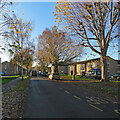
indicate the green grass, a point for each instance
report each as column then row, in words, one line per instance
column 82, row 78
column 64, row 76
column 7, row 79
column 101, row 88
column 22, row 85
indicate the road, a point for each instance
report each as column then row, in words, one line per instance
column 52, row 99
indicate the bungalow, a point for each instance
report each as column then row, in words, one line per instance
column 80, row 68
column 62, row 68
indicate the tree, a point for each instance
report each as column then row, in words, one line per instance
column 18, row 32
column 28, row 57
column 41, row 58
column 56, row 46
column 4, row 5
column 94, row 22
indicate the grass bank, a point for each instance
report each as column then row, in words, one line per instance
column 7, row 79
column 110, row 87
column 22, row 84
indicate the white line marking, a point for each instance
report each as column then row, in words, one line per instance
column 67, row 92
column 96, row 107
column 77, row 97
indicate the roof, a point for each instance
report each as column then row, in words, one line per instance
column 85, row 61
column 94, row 70
column 118, row 61
column 5, row 62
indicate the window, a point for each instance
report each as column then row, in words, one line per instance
column 5, row 67
column 93, row 65
column 108, row 73
column 83, row 67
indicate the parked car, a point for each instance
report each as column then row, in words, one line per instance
column 116, row 76
column 94, row 73
column 54, row 76
column 34, row 73
column 44, row 74
column 2, row 73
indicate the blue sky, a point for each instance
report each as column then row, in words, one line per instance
column 41, row 16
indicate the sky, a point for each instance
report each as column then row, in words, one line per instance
column 40, row 15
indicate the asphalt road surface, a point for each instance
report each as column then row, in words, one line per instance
column 53, row 99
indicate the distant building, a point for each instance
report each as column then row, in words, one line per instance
column 62, row 68
column 8, row 68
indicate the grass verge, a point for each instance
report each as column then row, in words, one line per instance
column 7, row 79
column 22, row 84
column 103, row 87
column 77, row 77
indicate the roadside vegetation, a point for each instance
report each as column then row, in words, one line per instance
column 22, row 84
column 110, row 87
column 7, row 79
column 77, row 77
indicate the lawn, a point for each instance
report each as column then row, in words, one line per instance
column 7, row 79
column 64, row 76
column 110, row 87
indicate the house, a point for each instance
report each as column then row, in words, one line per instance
column 80, row 68
column 10, row 69
column 118, row 66
column 62, row 68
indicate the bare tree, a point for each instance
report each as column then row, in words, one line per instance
column 57, row 46
column 94, row 22
column 18, row 32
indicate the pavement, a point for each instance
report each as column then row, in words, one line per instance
column 54, row 99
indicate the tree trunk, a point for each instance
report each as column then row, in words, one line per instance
column 56, row 67
column 22, row 66
column 103, row 68
column 74, row 72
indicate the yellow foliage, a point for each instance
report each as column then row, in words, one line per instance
column 27, row 34
column 21, row 32
column 28, row 22
column 20, row 19
column 15, row 25
column 11, row 27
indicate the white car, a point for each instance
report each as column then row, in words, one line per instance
column 54, row 76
